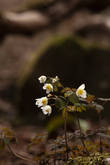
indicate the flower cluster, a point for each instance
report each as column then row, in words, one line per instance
column 51, row 85
column 42, row 102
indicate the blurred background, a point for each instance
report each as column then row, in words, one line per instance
column 67, row 38
column 70, row 39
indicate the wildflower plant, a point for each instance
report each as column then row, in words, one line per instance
column 67, row 100
column 71, row 99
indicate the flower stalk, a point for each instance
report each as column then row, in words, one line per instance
column 65, row 131
column 100, row 139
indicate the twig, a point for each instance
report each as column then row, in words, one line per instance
column 65, row 130
column 55, row 155
column 19, row 155
column 100, row 143
column 104, row 99
column 87, row 152
column 100, row 139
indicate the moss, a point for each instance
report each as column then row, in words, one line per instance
column 71, row 58
column 38, row 4
column 93, row 159
column 57, row 44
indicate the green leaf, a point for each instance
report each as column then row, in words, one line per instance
column 68, row 93
column 73, row 98
column 60, row 103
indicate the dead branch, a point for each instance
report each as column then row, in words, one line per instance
column 19, row 155
column 104, row 99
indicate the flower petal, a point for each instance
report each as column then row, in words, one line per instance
column 43, row 101
column 82, row 86
column 84, row 95
column 42, row 79
column 48, row 87
column 46, row 110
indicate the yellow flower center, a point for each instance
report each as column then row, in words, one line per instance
column 47, row 110
column 48, row 87
column 44, row 101
column 80, row 92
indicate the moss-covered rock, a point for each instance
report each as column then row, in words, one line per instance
column 39, row 4
column 73, row 60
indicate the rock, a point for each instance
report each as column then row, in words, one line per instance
column 29, row 19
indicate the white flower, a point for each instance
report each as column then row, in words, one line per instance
column 43, row 101
column 48, row 88
column 42, row 79
column 80, row 92
column 54, row 80
column 107, row 160
column 47, row 110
